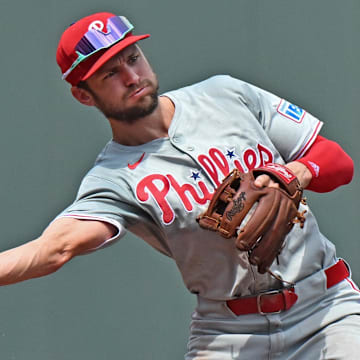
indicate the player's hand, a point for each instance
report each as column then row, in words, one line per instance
column 300, row 170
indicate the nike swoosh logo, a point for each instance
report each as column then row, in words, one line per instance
column 135, row 164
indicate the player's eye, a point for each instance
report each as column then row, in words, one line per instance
column 109, row 74
column 133, row 58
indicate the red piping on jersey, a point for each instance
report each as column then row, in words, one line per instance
column 353, row 285
column 309, row 142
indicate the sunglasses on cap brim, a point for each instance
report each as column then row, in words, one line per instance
column 95, row 40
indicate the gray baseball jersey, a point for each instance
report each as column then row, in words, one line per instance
column 157, row 189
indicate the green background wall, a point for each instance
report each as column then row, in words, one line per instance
column 128, row 302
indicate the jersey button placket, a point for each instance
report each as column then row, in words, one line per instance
column 177, row 142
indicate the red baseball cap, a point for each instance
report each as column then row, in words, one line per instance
column 90, row 42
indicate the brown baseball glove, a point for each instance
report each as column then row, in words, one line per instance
column 270, row 212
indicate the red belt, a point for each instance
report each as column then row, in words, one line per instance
column 275, row 301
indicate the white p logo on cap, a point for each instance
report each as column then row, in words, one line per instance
column 96, row 25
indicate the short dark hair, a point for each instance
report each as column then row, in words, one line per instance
column 83, row 85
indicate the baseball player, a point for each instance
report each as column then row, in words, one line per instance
column 168, row 157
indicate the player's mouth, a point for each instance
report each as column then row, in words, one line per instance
column 141, row 91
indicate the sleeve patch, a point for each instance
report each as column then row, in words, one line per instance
column 291, row 111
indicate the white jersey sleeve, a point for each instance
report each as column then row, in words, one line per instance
column 104, row 196
column 291, row 129
column 98, row 201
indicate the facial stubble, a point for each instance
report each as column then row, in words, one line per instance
column 134, row 113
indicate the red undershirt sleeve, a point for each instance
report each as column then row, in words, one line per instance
column 329, row 165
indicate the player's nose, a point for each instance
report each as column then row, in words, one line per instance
column 130, row 76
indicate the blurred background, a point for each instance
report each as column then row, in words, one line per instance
column 127, row 301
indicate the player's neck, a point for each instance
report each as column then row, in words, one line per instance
column 151, row 127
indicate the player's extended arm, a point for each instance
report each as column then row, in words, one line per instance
column 60, row 242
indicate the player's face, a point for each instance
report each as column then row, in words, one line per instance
column 125, row 88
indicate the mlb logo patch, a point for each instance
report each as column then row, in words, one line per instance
column 291, row 111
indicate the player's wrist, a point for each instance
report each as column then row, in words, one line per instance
column 302, row 172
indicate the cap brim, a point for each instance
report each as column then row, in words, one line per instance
column 108, row 54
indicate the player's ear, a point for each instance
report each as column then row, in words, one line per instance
column 82, row 95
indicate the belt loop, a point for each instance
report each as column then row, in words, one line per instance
column 290, row 298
